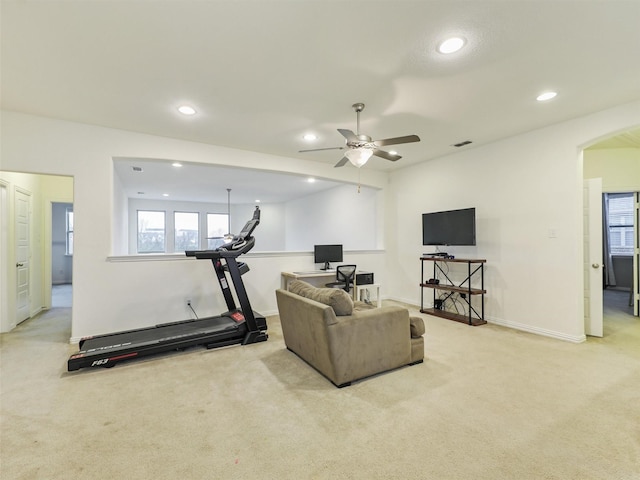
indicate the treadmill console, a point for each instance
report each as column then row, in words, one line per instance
column 239, row 244
column 240, row 241
column 251, row 225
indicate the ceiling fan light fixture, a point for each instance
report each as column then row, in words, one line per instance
column 359, row 156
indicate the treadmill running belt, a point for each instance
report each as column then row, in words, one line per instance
column 160, row 334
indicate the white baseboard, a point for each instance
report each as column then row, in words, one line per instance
column 537, row 330
column 517, row 326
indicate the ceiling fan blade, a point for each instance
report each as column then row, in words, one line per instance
column 348, row 134
column 386, row 155
column 341, row 163
column 320, row 149
column 397, row 140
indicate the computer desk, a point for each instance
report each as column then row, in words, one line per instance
column 319, row 278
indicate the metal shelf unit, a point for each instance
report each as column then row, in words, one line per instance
column 454, row 290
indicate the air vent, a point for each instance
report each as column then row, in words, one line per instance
column 136, row 169
column 461, row 144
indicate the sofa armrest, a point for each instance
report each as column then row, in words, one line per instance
column 417, row 326
column 304, row 328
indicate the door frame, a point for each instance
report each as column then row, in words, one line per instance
column 6, row 322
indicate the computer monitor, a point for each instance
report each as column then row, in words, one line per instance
column 327, row 253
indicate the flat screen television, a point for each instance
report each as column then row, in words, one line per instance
column 451, row 227
column 327, row 253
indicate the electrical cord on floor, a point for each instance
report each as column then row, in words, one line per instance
column 194, row 312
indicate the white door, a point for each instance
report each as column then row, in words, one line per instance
column 593, row 257
column 22, row 201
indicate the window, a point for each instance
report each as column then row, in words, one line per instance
column 620, row 223
column 69, row 215
column 151, row 231
column 186, row 231
column 217, row 227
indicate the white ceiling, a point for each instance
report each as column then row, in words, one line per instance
column 204, row 183
column 263, row 73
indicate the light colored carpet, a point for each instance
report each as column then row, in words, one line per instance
column 487, row 403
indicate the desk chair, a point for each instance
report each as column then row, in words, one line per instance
column 345, row 276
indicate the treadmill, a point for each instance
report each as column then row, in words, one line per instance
column 236, row 326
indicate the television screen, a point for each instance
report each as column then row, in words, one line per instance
column 327, row 253
column 452, row 227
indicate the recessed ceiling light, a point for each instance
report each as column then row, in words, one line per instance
column 176, row 164
column 187, row 110
column 309, row 137
column 451, row 45
column 257, row 201
column 393, row 152
column 311, row 179
column 165, row 194
column 546, row 96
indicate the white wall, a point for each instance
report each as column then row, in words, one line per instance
column 119, row 219
column 527, row 193
column 112, row 295
column 338, row 215
column 523, row 187
column 619, row 168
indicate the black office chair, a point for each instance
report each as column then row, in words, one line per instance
column 345, row 276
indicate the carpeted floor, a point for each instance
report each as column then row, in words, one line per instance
column 488, row 403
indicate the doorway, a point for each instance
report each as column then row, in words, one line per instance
column 615, row 161
column 27, row 238
column 61, row 254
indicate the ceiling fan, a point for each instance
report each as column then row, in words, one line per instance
column 359, row 148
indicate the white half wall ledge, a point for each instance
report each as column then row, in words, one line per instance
column 164, row 257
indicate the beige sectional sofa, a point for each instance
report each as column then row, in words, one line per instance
column 347, row 341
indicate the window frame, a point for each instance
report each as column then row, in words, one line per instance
column 621, row 248
column 175, row 231
column 212, row 243
column 69, row 231
column 164, row 231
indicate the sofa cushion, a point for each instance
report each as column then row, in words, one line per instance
column 338, row 299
